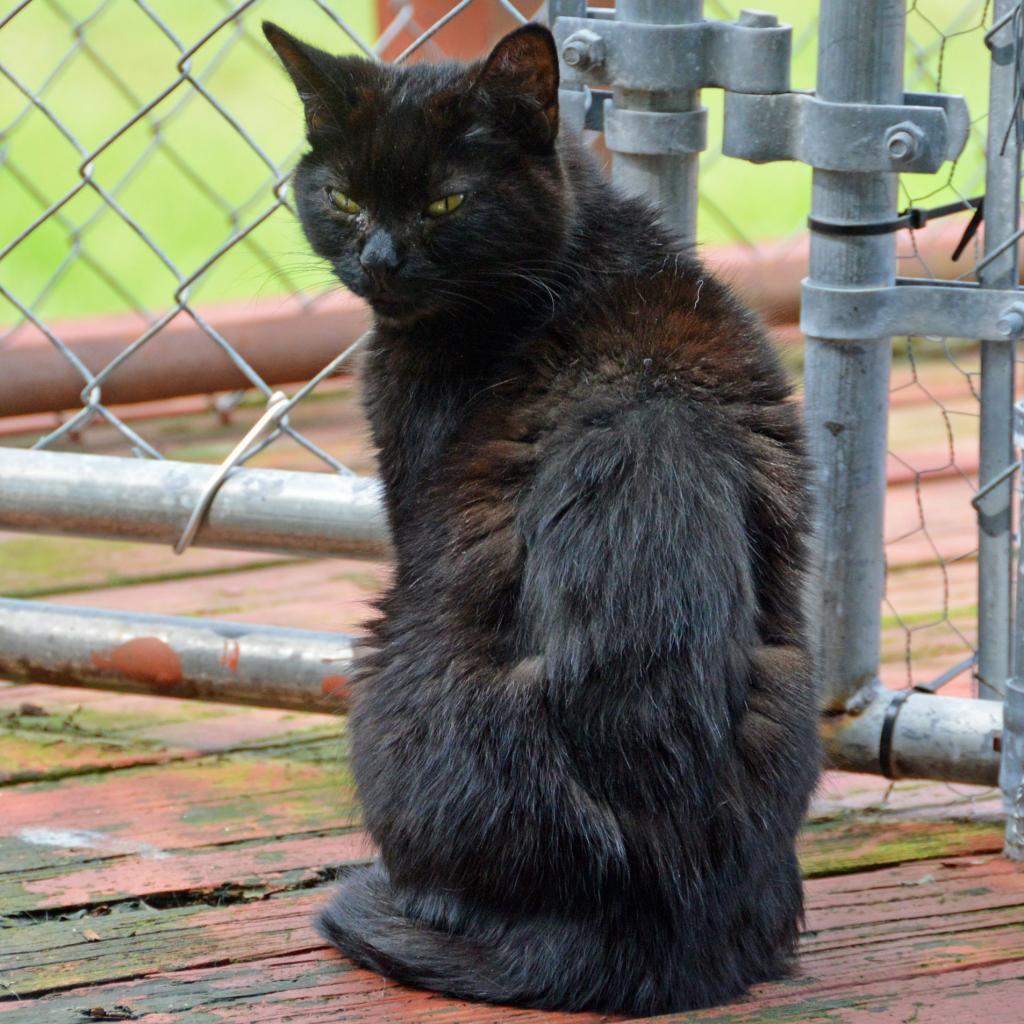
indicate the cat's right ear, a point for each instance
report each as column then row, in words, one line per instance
column 308, row 68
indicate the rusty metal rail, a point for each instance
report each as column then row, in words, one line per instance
column 166, row 656
column 280, row 342
column 948, row 738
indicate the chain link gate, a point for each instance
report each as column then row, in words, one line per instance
column 637, row 73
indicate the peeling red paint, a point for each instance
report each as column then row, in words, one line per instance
column 335, row 686
column 232, row 652
column 147, row 659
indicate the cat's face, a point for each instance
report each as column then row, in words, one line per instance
column 434, row 188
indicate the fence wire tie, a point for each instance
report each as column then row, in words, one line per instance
column 1000, row 478
column 270, row 423
column 913, row 218
column 266, row 425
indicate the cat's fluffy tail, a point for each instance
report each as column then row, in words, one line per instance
column 364, row 921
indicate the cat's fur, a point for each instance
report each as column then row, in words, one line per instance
column 586, row 734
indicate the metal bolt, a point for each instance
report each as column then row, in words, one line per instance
column 1011, row 322
column 903, row 142
column 757, row 19
column 583, row 50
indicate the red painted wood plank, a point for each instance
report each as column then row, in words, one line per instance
column 210, row 874
column 992, row 994
column 59, row 728
column 261, row 867
column 155, row 812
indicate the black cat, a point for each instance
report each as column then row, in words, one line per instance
column 586, row 734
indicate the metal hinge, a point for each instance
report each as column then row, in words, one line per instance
column 918, row 136
column 749, row 55
column 764, row 121
column 911, row 307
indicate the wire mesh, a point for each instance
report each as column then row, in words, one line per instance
column 930, row 613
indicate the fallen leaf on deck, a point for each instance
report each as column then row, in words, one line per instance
column 90, row 935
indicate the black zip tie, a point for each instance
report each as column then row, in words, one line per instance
column 888, row 728
column 899, row 698
column 972, row 228
column 913, row 217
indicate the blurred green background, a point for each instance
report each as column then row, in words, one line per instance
column 184, row 175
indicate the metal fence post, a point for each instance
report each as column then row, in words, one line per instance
column 1011, row 766
column 999, row 269
column 670, row 180
column 860, row 60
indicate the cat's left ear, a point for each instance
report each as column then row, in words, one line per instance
column 523, row 67
column 310, row 70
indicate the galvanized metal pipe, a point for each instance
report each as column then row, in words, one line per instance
column 1011, row 769
column 151, row 500
column 860, row 60
column 950, row 739
column 166, row 656
column 1002, row 217
column 670, row 180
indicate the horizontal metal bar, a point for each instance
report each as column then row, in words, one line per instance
column 181, row 359
column 945, row 738
column 166, row 656
column 910, row 308
column 150, row 500
column 950, row 739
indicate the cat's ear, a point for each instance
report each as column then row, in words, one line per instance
column 309, row 69
column 523, row 66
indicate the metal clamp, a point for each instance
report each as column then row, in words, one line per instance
column 911, row 307
column 651, row 132
column 919, row 135
column 888, row 731
column 750, row 55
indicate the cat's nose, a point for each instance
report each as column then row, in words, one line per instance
column 381, row 256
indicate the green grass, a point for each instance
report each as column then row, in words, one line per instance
column 199, row 171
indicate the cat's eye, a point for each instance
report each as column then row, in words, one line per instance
column 446, row 204
column 342, row 202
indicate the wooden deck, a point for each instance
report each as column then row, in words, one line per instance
column 160, row 859
column 159, row 862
